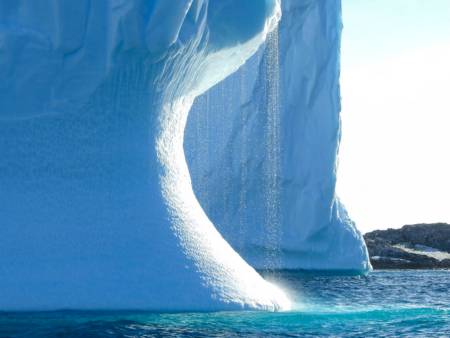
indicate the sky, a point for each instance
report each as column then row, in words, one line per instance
column 394, row 161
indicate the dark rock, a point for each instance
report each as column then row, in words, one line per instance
column 384, row 255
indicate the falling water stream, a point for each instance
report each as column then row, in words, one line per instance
column 243, row 161
column 272, row 224
column 225, row 144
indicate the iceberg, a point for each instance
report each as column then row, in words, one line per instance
column 97, row 209
column 262, row 149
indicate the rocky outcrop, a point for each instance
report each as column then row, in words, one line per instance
column 418, row 246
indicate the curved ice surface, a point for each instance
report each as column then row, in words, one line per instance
column 97, row 208
column 263, row 155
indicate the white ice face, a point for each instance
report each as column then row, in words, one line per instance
column 231, row 41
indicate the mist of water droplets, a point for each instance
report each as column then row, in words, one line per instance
column 272, row 224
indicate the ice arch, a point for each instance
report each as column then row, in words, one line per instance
column 97, row 208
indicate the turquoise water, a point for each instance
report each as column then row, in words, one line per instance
column 383, row 304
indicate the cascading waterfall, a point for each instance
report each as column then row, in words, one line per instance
column 213, row 126
column 243, row 167
column 298, row 214
column 272, row 224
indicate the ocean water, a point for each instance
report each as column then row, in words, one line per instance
column 382, row 304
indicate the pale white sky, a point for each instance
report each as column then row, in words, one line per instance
column 394, row 166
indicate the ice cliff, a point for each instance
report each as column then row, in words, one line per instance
column 262, row 149
column 97, row 209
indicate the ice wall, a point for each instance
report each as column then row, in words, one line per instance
column 262, row 149
column 96, row 204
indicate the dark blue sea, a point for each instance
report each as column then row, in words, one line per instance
column 382, row 304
